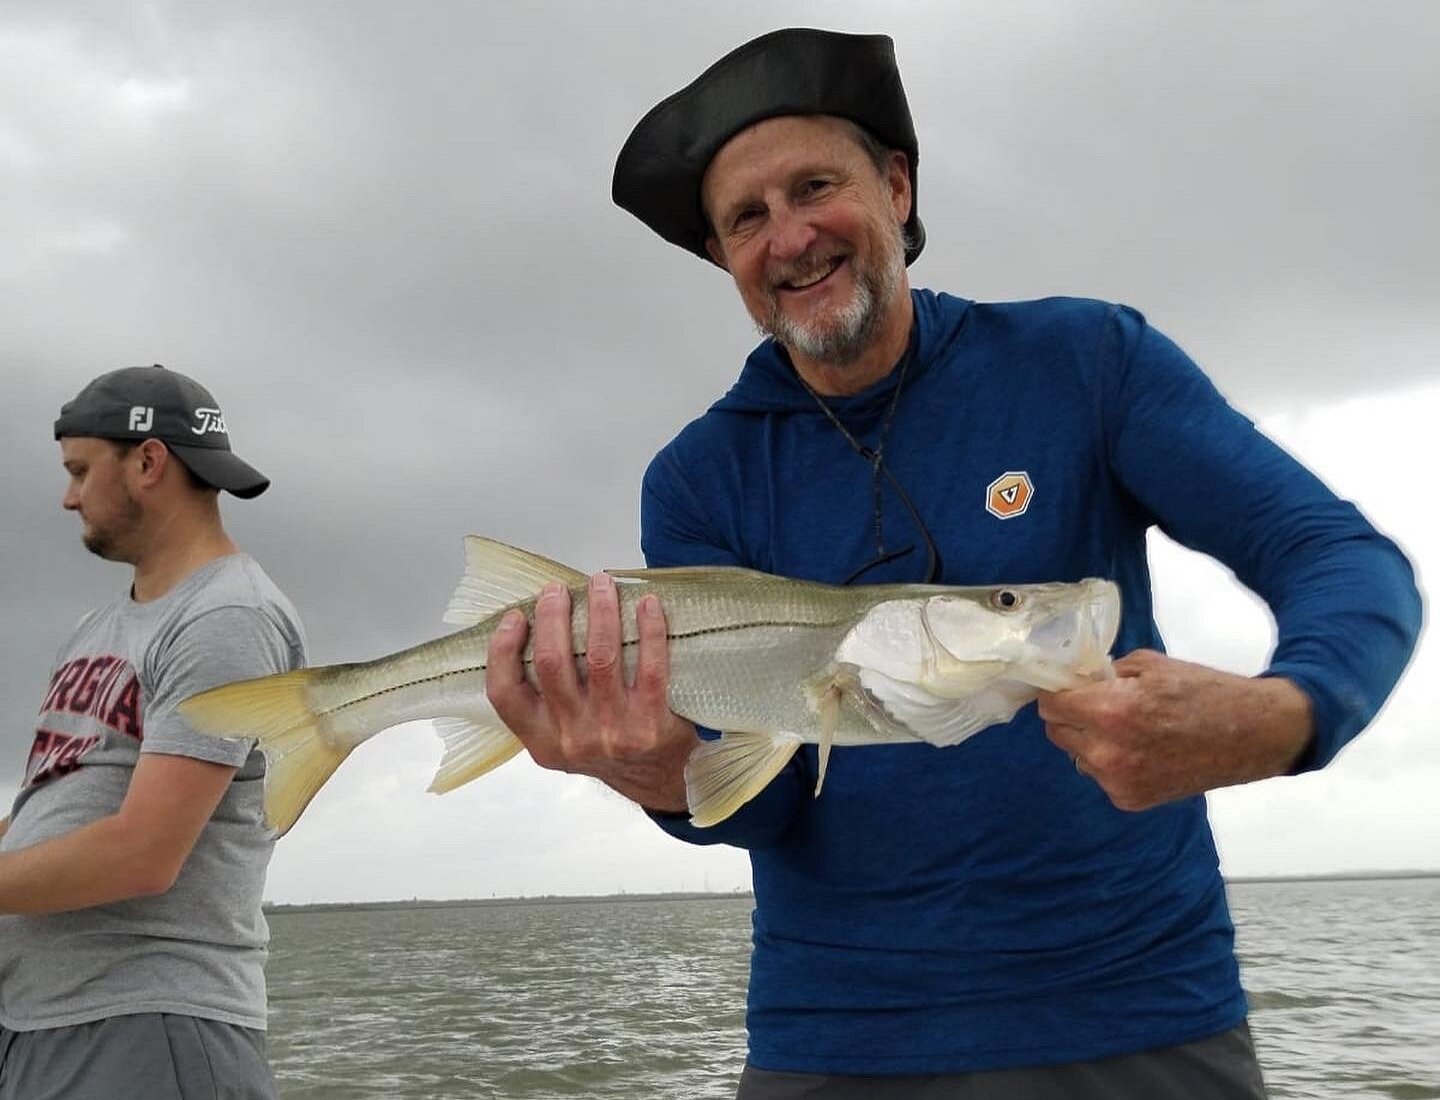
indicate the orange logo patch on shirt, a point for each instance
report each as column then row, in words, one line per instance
column 1009, row 494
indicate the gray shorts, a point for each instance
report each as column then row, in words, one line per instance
column 151, row 1055
column 1222, row 1067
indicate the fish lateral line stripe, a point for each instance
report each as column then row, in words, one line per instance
column 700, row 632
column 484, row 667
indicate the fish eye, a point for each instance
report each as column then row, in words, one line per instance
column 1005, row 599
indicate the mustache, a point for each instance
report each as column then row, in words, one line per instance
column 805, row 268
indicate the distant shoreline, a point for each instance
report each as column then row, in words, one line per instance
column 273, row 908
column 1331, row 876
column 472, row 903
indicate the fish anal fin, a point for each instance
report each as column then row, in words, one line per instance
column 474, row 745
column 498, row 575
column 723, row 775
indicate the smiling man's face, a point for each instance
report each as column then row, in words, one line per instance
column 810, row 228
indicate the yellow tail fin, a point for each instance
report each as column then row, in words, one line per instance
column 299, row 757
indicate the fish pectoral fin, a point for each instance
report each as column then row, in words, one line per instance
column 932, row 718
column 829, row 719
column 497, row 575
column 275, row 710
column 723, row 775
column 473, row 746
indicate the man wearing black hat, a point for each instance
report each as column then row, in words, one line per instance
column 998, row 919
column 132, row 944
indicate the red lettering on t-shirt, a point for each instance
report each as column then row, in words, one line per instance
column 55, row 754
column 84, row 694
column 106, row 687
column 68, row 758
column 73, row 672
column 55, row 678
column 124, row 716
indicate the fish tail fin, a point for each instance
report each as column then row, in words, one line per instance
column 274, row 710
column 723, row 775
column 474, row 745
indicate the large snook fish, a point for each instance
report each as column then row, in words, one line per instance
column 772, row 662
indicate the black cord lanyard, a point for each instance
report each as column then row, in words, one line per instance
column 876, row 459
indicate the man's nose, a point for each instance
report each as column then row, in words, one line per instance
column 71, row 500
column 791, row 234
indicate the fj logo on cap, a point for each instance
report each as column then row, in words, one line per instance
column 142, row 418
column 1009, row 494
column 211, row 420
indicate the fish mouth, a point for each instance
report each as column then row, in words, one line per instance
column 1101, row 615
column 1073, row 645
column 1094, row 625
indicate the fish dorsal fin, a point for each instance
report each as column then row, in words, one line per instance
column 497, row 575
column 694, row 573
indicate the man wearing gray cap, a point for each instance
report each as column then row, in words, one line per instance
column 132, row 944
column 1036, row 914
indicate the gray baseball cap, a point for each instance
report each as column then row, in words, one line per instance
column 155, row 403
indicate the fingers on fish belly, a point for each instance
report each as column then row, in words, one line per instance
column 723, row 775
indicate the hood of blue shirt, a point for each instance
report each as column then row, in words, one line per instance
column 768, row 383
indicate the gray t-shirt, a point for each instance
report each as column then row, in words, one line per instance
column 198, row 949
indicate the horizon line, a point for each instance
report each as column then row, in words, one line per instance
column 738, row 892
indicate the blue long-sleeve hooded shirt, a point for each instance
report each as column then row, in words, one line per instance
column 985, row 906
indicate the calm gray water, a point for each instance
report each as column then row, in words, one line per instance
column 642, row 1000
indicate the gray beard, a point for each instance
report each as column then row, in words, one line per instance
column 843, row 338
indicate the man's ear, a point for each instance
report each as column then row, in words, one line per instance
column 151, row 459
column 717, row 254
column 897, row 176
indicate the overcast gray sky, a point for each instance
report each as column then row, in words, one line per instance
column 381, row 233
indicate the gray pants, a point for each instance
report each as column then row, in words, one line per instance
column 148, row 1056
column 1222, row 1067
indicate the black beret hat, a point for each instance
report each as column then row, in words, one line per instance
column 797, row 71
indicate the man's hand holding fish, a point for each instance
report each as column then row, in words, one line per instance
column 1165, row 729
column 622, row 733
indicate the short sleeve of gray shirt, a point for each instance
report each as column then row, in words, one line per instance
column 218, row 647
